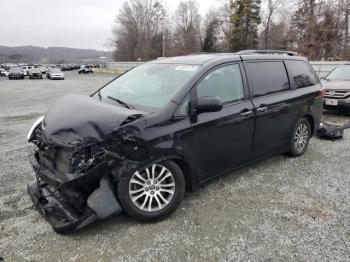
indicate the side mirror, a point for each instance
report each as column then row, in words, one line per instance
column 208, row 104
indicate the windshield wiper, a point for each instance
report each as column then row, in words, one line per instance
column 121, row 102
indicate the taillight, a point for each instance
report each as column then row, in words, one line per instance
column 322, row 92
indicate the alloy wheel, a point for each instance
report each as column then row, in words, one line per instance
column 152, row 189
column 301, row 137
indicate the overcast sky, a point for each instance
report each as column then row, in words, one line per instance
column 71, row 23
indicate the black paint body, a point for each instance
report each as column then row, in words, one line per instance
column 120, row 141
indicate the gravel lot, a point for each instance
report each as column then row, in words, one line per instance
column 277, row 210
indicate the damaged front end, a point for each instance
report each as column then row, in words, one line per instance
column 76, row 176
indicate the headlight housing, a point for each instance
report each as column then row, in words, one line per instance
column 35, row 125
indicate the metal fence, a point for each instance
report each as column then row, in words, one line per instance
column 321, row 67
column 123, row 66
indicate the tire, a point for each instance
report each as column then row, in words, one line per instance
column 300, row 138
column 161, row 206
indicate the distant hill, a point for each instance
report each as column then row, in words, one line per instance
column 54, row 55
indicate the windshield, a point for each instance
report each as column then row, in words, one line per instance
column 340, row 73
column 149, row 85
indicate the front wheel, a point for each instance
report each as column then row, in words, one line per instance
column 300, row 138
column 153, row 193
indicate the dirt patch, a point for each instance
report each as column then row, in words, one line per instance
column 17, row 118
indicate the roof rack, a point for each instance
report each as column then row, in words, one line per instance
column 210, row 53
column 267, row 52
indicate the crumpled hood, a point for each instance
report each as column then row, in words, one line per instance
column 336, row 85
column 77, row 120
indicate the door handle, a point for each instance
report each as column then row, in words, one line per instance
column 262, row 109
column 246, row 113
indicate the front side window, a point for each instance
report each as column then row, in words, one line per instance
column 183, row 108
column 224, row 82
column 267, row 77
column 339, row 74
column 150, row 85
column 301, row 73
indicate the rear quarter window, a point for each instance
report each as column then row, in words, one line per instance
column 267, row 77
column 301, row 73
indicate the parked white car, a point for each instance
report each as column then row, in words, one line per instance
column 25, row 69
column 54, row 73
column 3, row 72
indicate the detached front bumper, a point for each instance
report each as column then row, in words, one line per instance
column 54, row 209
column 63, row 214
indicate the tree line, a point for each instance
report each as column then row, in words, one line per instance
column 318, row 29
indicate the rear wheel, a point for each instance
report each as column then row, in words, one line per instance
column 300, row 137
column 152, row 193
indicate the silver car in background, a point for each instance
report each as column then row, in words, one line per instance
column 55, row 74
column 337, row 89
column 35, row 73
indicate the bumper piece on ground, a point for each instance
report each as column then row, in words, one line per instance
column 61, row 216
column 328, row 131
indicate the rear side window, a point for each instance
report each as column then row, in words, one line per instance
column 301, row 73
column 267, row 77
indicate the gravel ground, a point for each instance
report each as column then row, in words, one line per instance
column 282, row 209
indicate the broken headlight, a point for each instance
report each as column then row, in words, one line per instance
column 35, row 125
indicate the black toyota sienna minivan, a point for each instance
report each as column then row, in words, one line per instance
column 140, row 141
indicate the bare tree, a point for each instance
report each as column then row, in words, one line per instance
column 305, row 27
column 137, row 33
column 272, row 6
column 226, row 26
column 346, row 37
column 315, row 28
column 187, row 35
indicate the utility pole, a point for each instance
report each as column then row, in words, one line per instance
column 346, row 34
column 164, row 34
column 163, row 42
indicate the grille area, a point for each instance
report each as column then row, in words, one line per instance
column 54, row 159
column 337, row 94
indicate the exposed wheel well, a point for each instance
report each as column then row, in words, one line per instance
column 312, row 123
column 186, row 169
